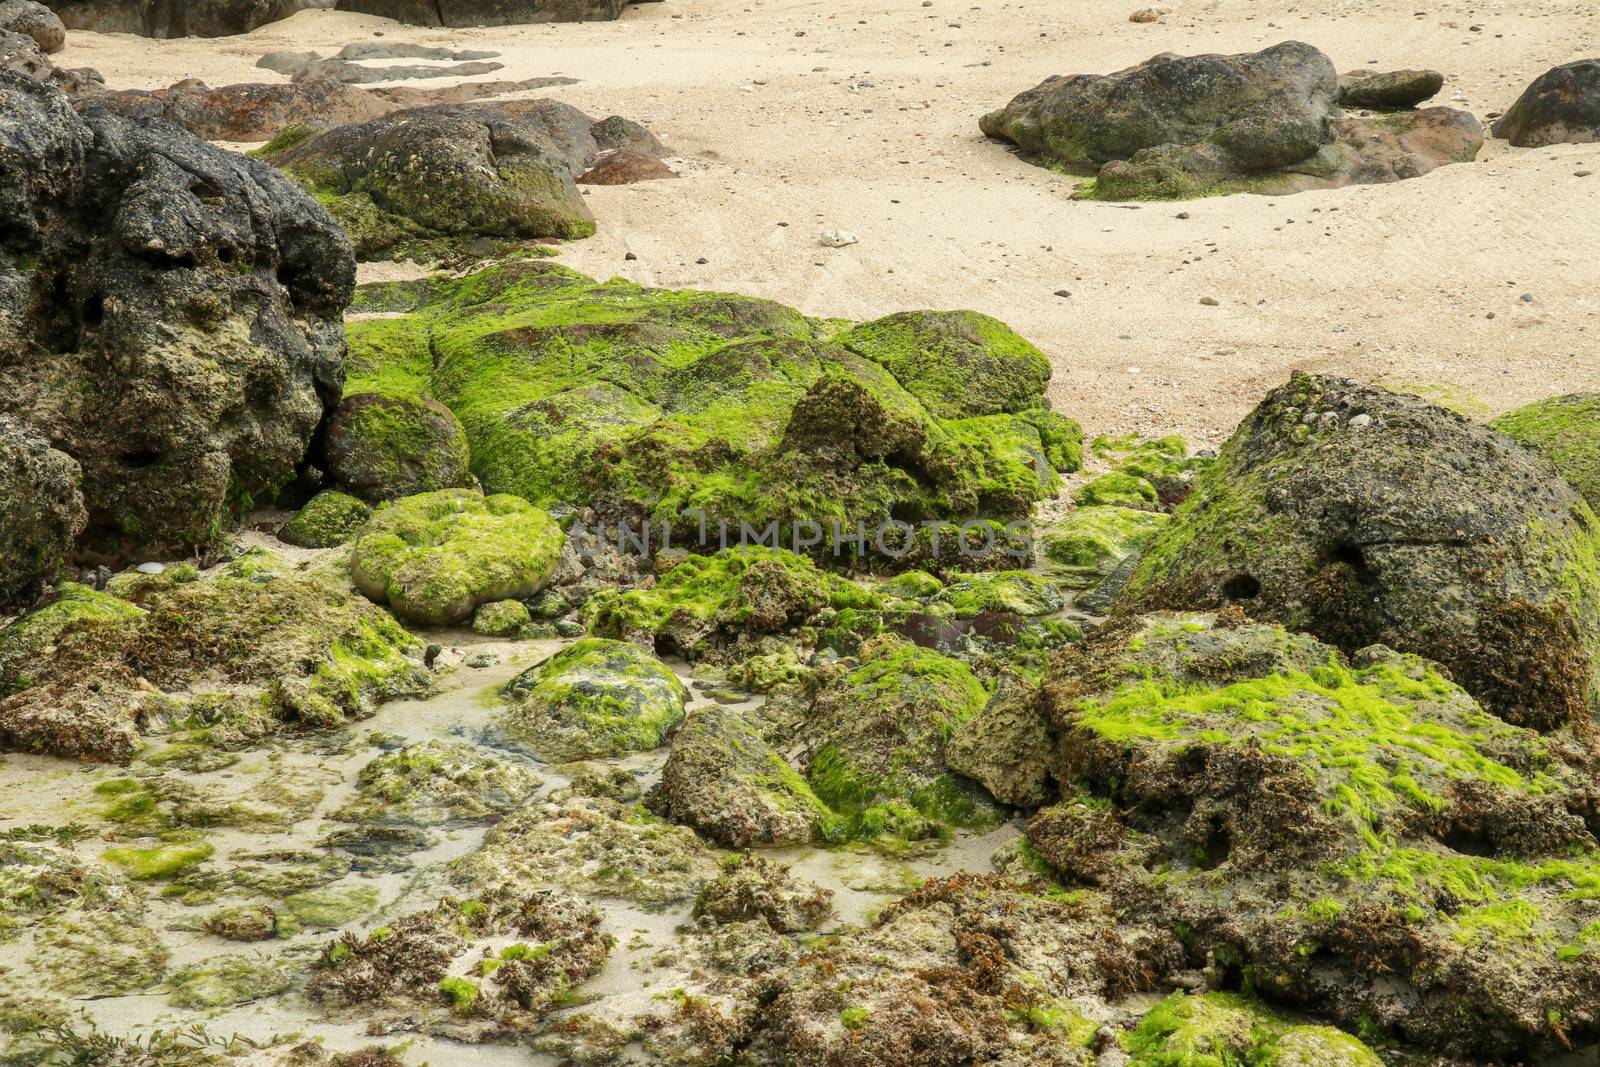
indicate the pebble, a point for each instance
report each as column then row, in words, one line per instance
column 1527, row 298
column 1361, row 421
column 1063, row 292
column 1210, row 301
column 630, row 257
column 837, row 238
column 151, row 568
column 702, row 261
column 1582, row 173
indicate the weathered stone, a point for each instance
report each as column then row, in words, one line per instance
column 1566, row 431
column 381, row 447
column 595, row 698
column 487, row 12
column 36, row 21
column 1562, row 106
column 41, row 510
column 1388, row 90
column 173, row 18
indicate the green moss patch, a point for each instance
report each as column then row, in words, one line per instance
column 1566, row 431
column 330, row 518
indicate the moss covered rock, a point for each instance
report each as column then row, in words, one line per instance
column 595, row 698
column 724, row 779
column 1224, row 1028
column 1007, row 748
column 698, row 407
column 435, row 557
column 503, row 618
column 225, row 981
column 383, row 447
column 1088, row 544
column 41, row 510
column 253, row 645
column 751, row 888
column 707, row 601
column 873, row 740
column 329, row 519
column 1566, row 431
column 437, row 783
column 958, row 363
column 27, row 643
column 1358, row 834
column 1117, row 489
column 1014, row 592
column 1365, row 516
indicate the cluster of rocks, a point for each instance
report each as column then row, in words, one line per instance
column 224, row 18
column 1277, row 121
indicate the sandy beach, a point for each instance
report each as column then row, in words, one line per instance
column 1476, row 284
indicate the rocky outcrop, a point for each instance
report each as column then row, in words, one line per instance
column 659, row 403
column 173, row 18
column 1390, row 90
column 454, row 173
column 1364, row 516
column 172, row 316
column 1355, row 833
column 1178, row 126
column 41, row 510
column 1562, row 106
column 487, row 12
column 35, row 21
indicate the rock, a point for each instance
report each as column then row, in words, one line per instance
column 1118, row 489
column 451, row 171
column 754, row 889
column 624, row 167
column 1566, row 431
column 23, row 643
column 36, row 21
column 487, row 12
column 958, row 363
column 1562, row 106
column 1269, row 123
column 1421, row 530
column 1388, row 90
column 872, row 743
column 831, row 238
column 437, row 783
column 382, row 447
column 503, row 618
column 1088, row 544
column 41, row 510
column 754, row 419
column 246, row 112
column 592, row 700
column 1007, row 748
column 725, row 781
column 173, row 18
column 204, row 286
column 708, row 601
column 257, row 643
column 435, row 557
column 1233, row 1027
column 1146, row 15
column 250, row 922
column 1355, row 831
column 330, row 518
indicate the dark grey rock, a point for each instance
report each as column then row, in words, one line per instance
column 1562, row 106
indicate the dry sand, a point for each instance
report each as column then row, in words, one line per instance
column 862, row 115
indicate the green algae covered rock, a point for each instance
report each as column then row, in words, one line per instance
column 1566, row 431
column 383, row 447
column 24, row 642
column 703, row 407
column 707, row 600
column 437, row 783
column 503, row 618
column 873, row 740
column 259, row 642
column 726, row 781
column 329, row 519
column 435, row 557
column 1118, row 489
column 595, row 698
column 1016, row 592
column 958, row 363
column 1365, row 516
column 1088, row 544
column 229, row 980
column 1216, row 1029
column 1358, row 833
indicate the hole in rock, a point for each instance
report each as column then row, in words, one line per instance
column 1241, row 587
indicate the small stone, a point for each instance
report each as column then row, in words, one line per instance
column 1582, row 173
column 1527, row 298
column 1361, row 421
column 151, row 568
column 1210, row 301
column 630, row 257
column 1183, row 215
column 837, row 238
column 1063, row 292
column 702, row 261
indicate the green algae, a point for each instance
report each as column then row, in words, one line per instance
column 329, row 519
column 502, row 618
column 434, row 557
column 595, row 698
column 1086, row 545
column 331, row 907
column 1566, row 431
column 1017, row 592
column 1118, row 489
column 1230, row 1030
column 160, row 862
column 226, row 981
column 24, row 641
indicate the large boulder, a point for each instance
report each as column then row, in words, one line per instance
column 1178, row 126
column 41, row 510
column 1355, row 834
column 434, row 557
column 695, row 407
column 35, row 21
column 170, row 316
column 1562, row 106
column 451, row 171
column 173, row 18
column 381, row 447
column 1365, row 516
column 487, row 12
column 1566, row 431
